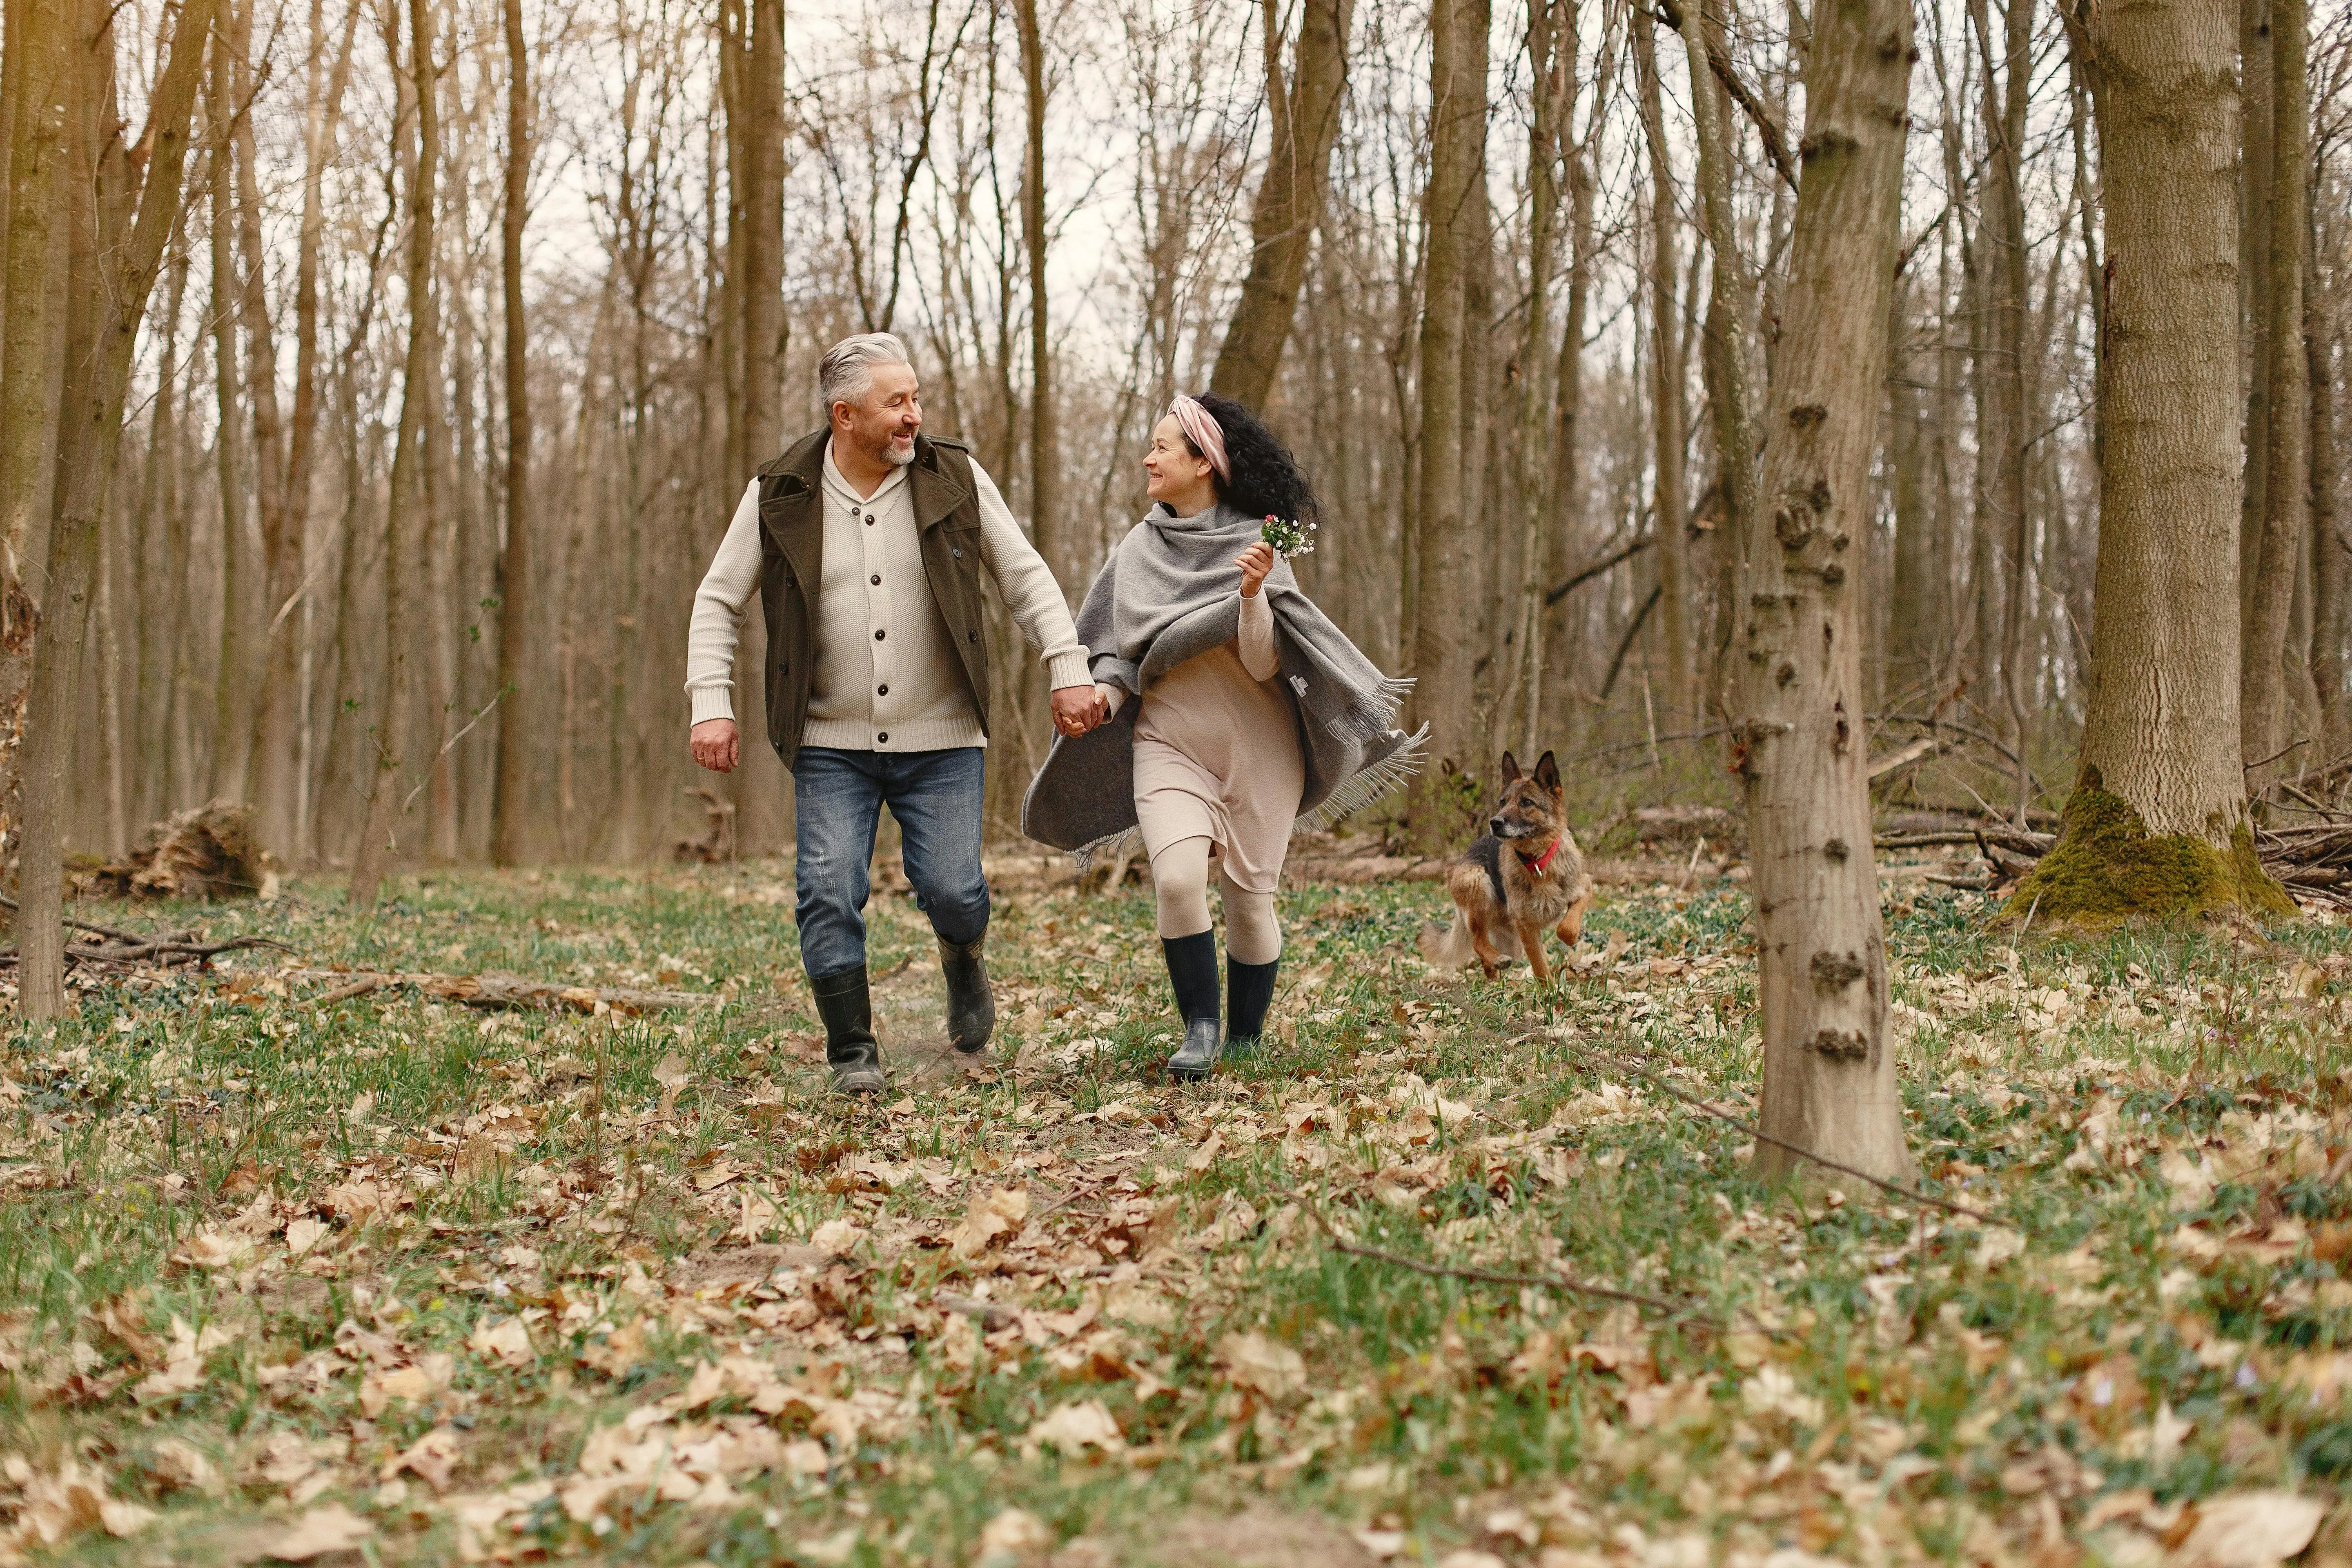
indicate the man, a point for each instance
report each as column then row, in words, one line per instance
column 865, row 542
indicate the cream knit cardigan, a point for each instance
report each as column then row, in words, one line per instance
column 887, row 678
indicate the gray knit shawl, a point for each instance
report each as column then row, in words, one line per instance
column 1170, row 592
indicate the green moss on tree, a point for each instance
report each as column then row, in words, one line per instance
column 2106, row 867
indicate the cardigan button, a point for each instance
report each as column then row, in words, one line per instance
column 959, row 552
column 883, row 689
column 884, row 737
column 971, row 637
column 879, row 635
column 875, row 579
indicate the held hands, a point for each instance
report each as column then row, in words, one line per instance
column 1078, row 709
column 717, row 744
column 1255, row 562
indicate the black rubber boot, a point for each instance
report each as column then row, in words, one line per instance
column 971, row 1006
column 1249, row 991
column 1192, row 973
column 850, row 1049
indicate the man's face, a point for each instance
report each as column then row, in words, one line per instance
column 882, row 423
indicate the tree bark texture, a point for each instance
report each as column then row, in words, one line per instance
column 1551, row 57
column 2255, row 171
column 1455, row 222
column 1668, row 506
column 395, row 708
column 112, row 271
column 1045, row 526
column 2286, row 431
column 510, row 809
column 1290, row 204
column 2156, row 821
column 1802, row 748
column 231, row 729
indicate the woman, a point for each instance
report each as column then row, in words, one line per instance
column 1248, row 713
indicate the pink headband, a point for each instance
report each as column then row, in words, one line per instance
column 1201, row 428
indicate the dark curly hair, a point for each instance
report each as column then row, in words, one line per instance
column 1266, row 479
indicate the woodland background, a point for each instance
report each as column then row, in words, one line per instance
column 594, row 276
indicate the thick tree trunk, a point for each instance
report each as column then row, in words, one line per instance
column 510, row 810
column 396, row 706
column 2156, row 822
column 763, row 819
column 111, row 275
column 1801, row 748
column 1289, row 199
column 2285, row 430
column 1668, row 506
column 1454, row 217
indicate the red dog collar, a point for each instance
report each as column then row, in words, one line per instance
column 1538, row 865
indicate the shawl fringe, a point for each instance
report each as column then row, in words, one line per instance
column 1368, row 786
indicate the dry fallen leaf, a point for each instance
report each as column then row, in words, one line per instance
column 305, row 1233
column 837, row 1237
column 999, row 1213
column 2249, row 1529
column 334, row 1528
column 507, row 1340
column 1253, row 1360
column 1086, row 1424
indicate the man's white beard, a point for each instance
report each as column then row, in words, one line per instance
column 897, row 458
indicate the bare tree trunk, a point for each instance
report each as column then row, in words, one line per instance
column 2285, row 430
column 39, row 63
column 110, row 274
column 1551, row 58
column 398, row 701
column 1045, row 526
column 1454, row 218
column 1801, row 748
column 1289, row 199
column 1912, row 609
column 1669, row 507
column 232, row 723
column 514, row 586
column 2330, row 581
column 764, row 788
column 2156, row 822
column 1723, row 353
column 2255, row 167
column 158, row 555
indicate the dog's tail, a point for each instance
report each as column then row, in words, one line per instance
column 1449, row 947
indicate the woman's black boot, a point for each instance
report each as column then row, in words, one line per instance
column 972, row 1007
column 850, row 1049
column 1249, row 992
column 1192, row 973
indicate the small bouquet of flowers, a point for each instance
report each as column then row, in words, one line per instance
column 1288, row 538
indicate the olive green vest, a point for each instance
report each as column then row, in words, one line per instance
column 792, row 569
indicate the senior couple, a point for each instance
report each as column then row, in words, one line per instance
column 1200, row 698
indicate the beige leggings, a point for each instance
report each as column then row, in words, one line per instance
column 1180, row 874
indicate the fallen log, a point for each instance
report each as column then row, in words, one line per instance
column 494, row 991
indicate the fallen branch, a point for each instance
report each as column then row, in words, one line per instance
column 494, row 991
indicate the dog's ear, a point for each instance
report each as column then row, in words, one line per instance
column 1510, row 769
column 1548, row 773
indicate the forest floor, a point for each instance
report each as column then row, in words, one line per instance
column 287, row 1278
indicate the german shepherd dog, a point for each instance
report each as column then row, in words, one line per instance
column 1523, row 875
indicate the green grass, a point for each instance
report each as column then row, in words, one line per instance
column 1852, row 1375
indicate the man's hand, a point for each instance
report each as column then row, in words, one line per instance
column 1255, row 562
column 717, row 744
column 1077, row 710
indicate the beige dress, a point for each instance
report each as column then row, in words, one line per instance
column 1216, row 755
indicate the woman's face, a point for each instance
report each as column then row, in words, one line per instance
column 1177, row 479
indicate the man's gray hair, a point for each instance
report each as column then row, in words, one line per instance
column 846, row 373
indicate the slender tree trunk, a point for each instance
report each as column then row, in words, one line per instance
column 511, row 809
column 2156, row 822
column 765, row 789
column 1667, row 424
column 398, row 702
column 232, row 722
column 110, row 277
column 2255, row 167
column 158, row 608
column 1453, row 218
column 1725, row 350
column 2285, row 430
column 1044, row 476
column 1914, row 600
column 2330, row 580
column 39, row 63
column 1289, row 199
column 1801, row 748
column 1551, row 58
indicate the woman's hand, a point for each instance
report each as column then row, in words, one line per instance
column 1255, row 562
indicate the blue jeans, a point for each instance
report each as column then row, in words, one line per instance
column 837, row 796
